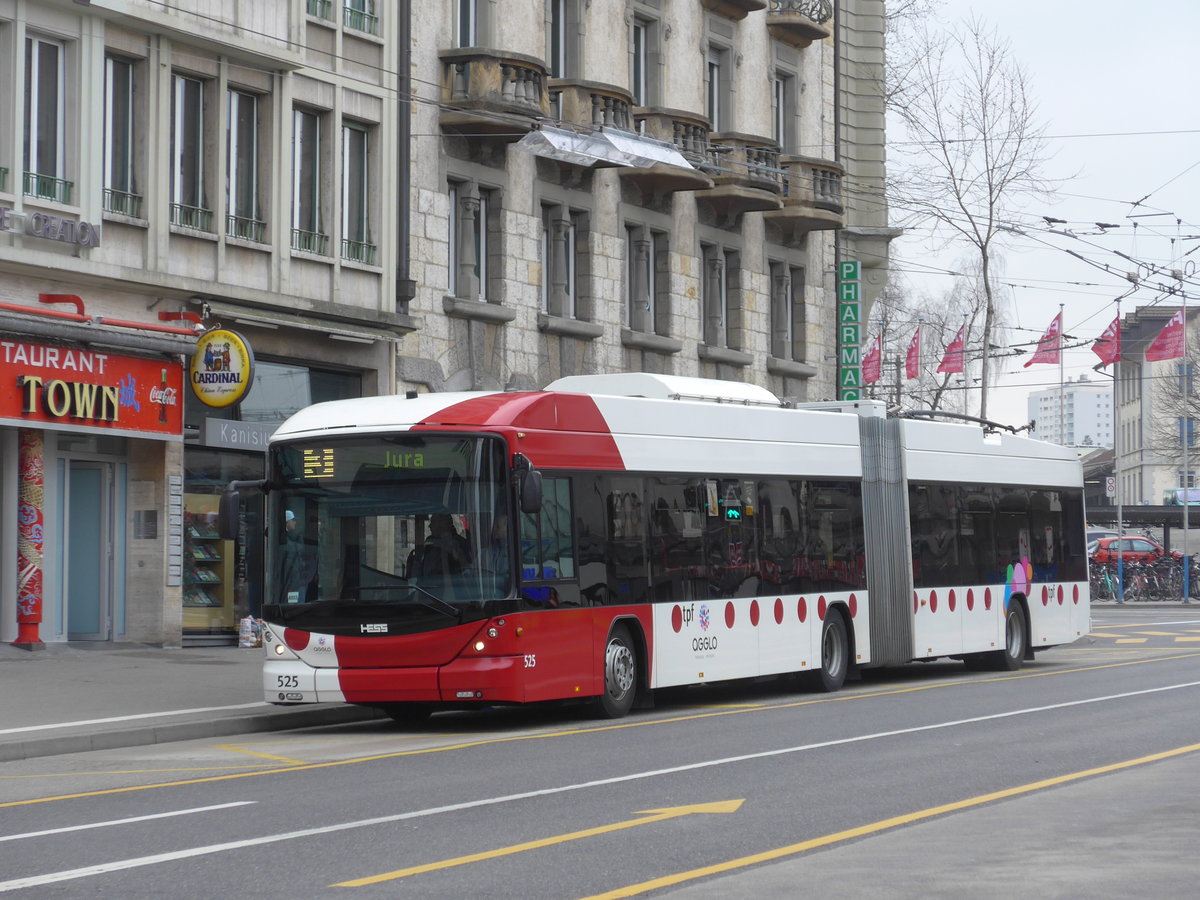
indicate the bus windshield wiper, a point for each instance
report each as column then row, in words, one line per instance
column 422, row 597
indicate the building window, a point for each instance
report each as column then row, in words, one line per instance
column 646, row 279
column 45, row 104
column 471, row 241
column 467, row 23
column 242, row 215
column 308, row 226
column 361, row 16
column 720, row 285
column 356, row 227
column 716, row 88
column 189, row 205
column 645, row 58
column 120, row 190
column 787, row 312
column 783, row 111
column 564, row 239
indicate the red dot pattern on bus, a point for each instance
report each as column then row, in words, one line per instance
column 802, row 609
column 952, row 601
column 677, row 619
column 970, row 599
column 754, row 613
column 730, row 615
column 821, row 607
column 778, row 610
column 933, row 601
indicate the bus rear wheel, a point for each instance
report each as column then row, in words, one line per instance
column 835, row 655
column 620, row 674
column 1015, row 639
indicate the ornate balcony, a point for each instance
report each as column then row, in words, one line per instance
column 812, row 196
column 799, row 22
column 689, row 135
column 486, row 92
column 590, row 104
column 734, row 9
column 746, row 174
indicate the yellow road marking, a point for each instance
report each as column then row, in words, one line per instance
column 234, row 748
column 884, row 825
column 575, row 732
column 1157, row 633
column 1132, row 640
column 1102, row 634
column 1182, row 640
column 650, row 816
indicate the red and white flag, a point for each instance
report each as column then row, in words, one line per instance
column 1108, row 345
column 912, row 362
column 1049, row 344
column 872, row 362
column 953, row 360
column 1169, row 343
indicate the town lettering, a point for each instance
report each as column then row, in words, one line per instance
column 70, row 399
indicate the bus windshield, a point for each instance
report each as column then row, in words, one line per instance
column 412, row 527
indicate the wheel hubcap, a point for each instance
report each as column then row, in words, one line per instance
column 618, row 670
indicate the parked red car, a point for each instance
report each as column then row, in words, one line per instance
column 1133, row 549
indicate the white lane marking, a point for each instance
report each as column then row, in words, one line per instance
column 130, row 718
column 122, row 864
column 146, row 818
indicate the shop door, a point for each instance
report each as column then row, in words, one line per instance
column 89, row 551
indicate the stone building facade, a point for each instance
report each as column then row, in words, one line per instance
column 378, row 197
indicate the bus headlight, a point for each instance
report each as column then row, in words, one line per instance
column 479, row 646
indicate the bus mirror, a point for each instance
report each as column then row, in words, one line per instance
column 531, row 491
column 229, row 511
column 228, row 515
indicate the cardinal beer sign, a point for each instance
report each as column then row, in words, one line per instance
column 222, row 371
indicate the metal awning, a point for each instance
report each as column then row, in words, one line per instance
column 365, row 332
column 601, row 148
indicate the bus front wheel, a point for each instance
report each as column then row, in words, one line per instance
column 620, row 674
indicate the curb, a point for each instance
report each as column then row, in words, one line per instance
column 266, row 721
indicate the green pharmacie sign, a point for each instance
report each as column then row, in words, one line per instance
column 849, row 350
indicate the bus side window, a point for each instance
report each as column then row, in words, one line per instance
column 548, row 548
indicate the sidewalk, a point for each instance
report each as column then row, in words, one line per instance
column 75, row 697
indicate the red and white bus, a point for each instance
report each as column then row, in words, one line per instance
column 615, row 534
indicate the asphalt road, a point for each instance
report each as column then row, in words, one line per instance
column 1073, row 777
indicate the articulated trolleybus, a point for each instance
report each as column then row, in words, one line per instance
column 615, row 534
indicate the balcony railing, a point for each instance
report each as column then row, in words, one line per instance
column 246, row 229
column 361, row 19
column 191, row 217
column 688, row 132
column 358, row 251
column 813, row 196
column 310, row 242
column 744, row 160
column 4, row 179
column 799, row 22
column 122, row 202
column 485, row 91
column 589, row 104
column 47, row 187
column 321, row 9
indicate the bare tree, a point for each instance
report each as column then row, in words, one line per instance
column 1176, row 401
column 972, row 150
column 898, row 312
